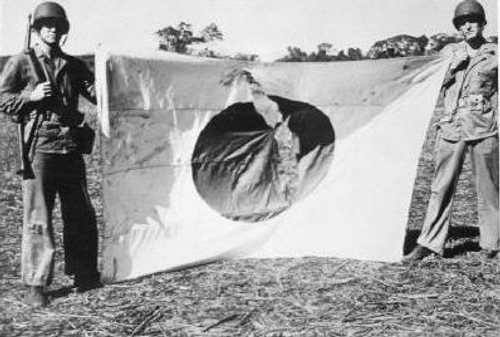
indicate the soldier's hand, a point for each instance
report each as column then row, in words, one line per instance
column 41, row 91
column 460, row 55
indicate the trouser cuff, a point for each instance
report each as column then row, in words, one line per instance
column 434, row 248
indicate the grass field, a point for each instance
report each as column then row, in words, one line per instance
column 455, row 296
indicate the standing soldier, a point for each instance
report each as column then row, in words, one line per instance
column 39, row 88
column 469, row 124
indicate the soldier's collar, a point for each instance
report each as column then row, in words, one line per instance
column 488, row 48
column 485, row 48
column 41, row 52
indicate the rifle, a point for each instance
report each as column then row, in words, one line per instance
column 40, row 75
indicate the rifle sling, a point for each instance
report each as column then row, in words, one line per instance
column 40, row 76
column 36, row 66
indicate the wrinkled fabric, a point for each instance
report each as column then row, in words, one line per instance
column 197, row 169
column 247, row 170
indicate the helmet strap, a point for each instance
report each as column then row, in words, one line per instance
column 63, row 40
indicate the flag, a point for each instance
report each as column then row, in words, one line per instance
column 215, row 159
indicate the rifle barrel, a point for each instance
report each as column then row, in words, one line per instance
column 23, row 164
column 27, row 38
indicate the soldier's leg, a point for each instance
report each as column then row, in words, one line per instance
column 37, row 252
column 485, row 171
column 79, row 221
column 38, row 238
column 449, row 159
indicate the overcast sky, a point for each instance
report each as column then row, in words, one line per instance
column 265, row 27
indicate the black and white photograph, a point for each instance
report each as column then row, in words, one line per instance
column 279, row 168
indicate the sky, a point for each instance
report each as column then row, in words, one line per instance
column 264, row 27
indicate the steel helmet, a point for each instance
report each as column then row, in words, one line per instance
column 51, row 10
column 469, row 8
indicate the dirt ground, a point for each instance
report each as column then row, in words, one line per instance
column 454, row 296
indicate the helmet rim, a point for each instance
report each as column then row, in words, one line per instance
column 50, row 10
column 469, row 8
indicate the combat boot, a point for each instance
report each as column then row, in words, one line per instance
column 85, row 283
column 417, row 254
column 489, row 253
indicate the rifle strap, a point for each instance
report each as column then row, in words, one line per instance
column 36, row 67
column 41, row 75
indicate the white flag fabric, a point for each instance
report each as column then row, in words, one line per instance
column 209, row 159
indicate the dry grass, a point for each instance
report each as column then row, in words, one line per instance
column 457, row 296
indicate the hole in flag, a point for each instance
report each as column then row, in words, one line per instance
column 253, row 160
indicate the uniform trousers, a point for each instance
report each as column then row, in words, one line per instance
column 63, row 175
column 449, row 158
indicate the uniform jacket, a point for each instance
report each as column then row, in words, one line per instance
column 471, row 96
column 58, row 116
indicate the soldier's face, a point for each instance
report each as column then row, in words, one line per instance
column 471, row 28
column 50, row 32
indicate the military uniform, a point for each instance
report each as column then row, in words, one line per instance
column 57, row 164
column 469, row 124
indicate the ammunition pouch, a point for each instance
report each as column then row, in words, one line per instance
column 85, row 138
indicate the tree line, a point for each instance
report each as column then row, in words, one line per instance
column 182, row 39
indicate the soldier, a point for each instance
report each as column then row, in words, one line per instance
column 49, row 111
column 469, row 124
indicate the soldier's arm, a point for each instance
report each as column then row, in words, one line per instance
column 494, row 96
column 86, row 83
column 457, row 56
column 15, row 91
column 446, row 54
